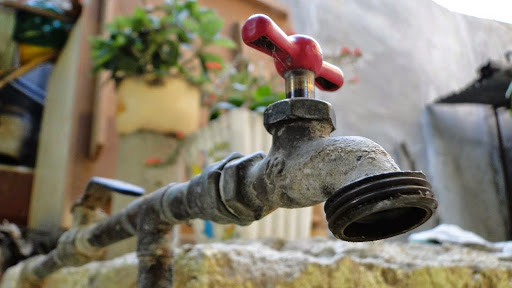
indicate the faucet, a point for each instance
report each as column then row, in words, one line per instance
column 368, row 197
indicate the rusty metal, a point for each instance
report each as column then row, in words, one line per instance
column 73, row 249
column 297, row 109
column 304, row 167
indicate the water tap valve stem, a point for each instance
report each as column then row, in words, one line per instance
column 300, row 83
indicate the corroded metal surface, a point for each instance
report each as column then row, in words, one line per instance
column 299, row 108
column 74, row 247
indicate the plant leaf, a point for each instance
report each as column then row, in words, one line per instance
column 262, row 92
column 224, row 42
column 209, row 25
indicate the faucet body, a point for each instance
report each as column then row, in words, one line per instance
column 304, row 166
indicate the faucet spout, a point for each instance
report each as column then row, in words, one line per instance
column 368, row 197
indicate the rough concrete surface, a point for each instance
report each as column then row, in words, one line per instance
column 320, row 263
column 315, row 263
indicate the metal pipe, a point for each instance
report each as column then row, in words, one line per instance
column 304, row 167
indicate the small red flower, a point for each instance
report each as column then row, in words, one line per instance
column 354, row 79
column 213, row 65
column 212, row 97
column 345, row 50
column 180, row 135
column 358, row 52
column 153, row 161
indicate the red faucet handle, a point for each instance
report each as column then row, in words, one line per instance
column 262, row 34
column 330, row 77
column 290, row 52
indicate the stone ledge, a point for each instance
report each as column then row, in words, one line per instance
column 315, row 263
column 320, row 263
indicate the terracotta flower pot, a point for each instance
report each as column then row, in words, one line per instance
column 170, row 107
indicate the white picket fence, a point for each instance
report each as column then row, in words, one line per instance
column 241, row 130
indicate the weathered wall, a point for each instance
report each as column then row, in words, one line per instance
column 413, row 53
column 464, row 163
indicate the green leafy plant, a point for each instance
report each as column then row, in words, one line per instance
column 171, row 39
column 240, row 86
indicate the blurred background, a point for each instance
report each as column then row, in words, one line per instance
column 151, row 92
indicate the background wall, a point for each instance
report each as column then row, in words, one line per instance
column 413, row 53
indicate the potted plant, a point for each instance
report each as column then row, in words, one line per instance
column 241, row 86
column 159, row 61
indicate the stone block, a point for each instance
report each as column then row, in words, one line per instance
column 312, row 263
column 320, row 263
